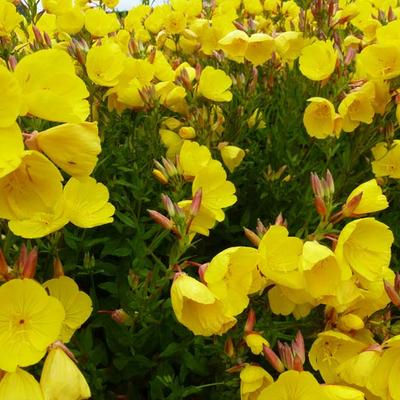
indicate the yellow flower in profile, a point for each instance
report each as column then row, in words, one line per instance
column 339, row 392
column 86, row 202
column 72, row 21
column 61, row 378
column 365, row 246
column 380, row 61
column 196, row 307
column 35, row 186
column 229, row 277
column 387, row 160
column 214, row 85
column 320, row 118
column 72, row 147
column 99, row 23
column 193, row 157
column 9, row 18
column 232, row 156
column 20, row 385
column 191, row 8
column 175, row 22
column 253, row 380
column 318, row 60
column 234, row 44
column 293, row 385
column 290, row 44
column 51, row 90
column 280, row 257
column 30, row 320
column 77, row 304
column 202, row 222
column 372, row 199
column 105, row 63
column 259, row 48
column 11, row 149
column 330, row 350
column 172, row 141
column 256, row 342
column 217, row 192
column 11, row 97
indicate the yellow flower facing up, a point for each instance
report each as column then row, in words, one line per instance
column 175, row 22
column 105, row 63
column 217, row 192
column 232, row 156
column 290, row 44
column 253, row 380
column 193, row 157
column 280, row 257
column 86, row 202
column 77, row 304
column 72, row 21
column 259, row 49
column 9, row 18
column 372, row 199
column 229, row 276
column 318, row 60
column 11, row 98
column 30, row 320
column 235, row 45
column 196, row 307
column 61, row 378
column 11, row 149
column 72, row 147
column 214, row 85
column 320, row 118
column 51, row 90
column 99, row 23
column 387, row 160
column 20, row 385
column 365, row 246
column 293, row 385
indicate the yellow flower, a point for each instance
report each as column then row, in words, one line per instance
column 229, row 276
column 99, row 23
column 234, row 44
column 11, row 149
column 191, row 8
column 51, row 90
column 217, row 192
column 293, row 385
column 193, row 157
column 253, row 380
column 35, row 186
column 57, row 7
column 322, row 273
column 20, row 385
column 61, row 378
column 387, row 160
column 175, row 22
column 111, row 3
column 214, row 85
column 364, row 245
column 9, row 18
column 172, row 96
column 172, row 141
column 87, row 203
column 77, row 304
column 320, row 118
column 256, row 342
column 318, row 60
column 338, row 392
column 232, row 156
column 105, row 63
column 11, row 97
column 259, row 48
column 72, row 21
column 253, row 6
column 380, row 61
column 72, row 147
column 280, row 256
column 197, row 308
column 30, row 320
column 372, row 199
column 330, row 350
column 290, row 44
column 134, row 18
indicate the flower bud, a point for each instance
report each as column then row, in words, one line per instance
column 37, row 34
column 229, row 347
column 392, row 293
column 161, row 219
column 254, row 239
column 273, row 359
column 121, row 317
column 298, row 347
column 196, row 203
column 29, row 266
column 286, row 355
column 349, row 207
column 168, row 205
column 320, row 206
column 250, row 322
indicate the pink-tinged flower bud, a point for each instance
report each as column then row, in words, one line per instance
column 229, row 348
column 397, row 282
column 37, row 34
column 157, row 174
column 161, row 219
column 30, row 140
column 12, row 63
column 169, row 167
column 260, row 228
column 152, row 55
column 250, row 322
column 3, row 267
column 23, row 256
column 168, row 205
column 280, row 220
column 47, row 39
column 348, row 208
column 298, row 346
column 239, row 26
column 273, row 359
column 132, row 47
column 316, row 185
column 392, row 293
column 286, row 355
column 196, row 203
column 320, row 206
column 254, row 239
column 29, row 267
column 297, row 363
column 391, row 14
column 350, row 55
column 236, row 368
column 202, row 270
column 58, row 269
column 330, row 182
column 198, row 70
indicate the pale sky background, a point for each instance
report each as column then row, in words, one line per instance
column 128, row 4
